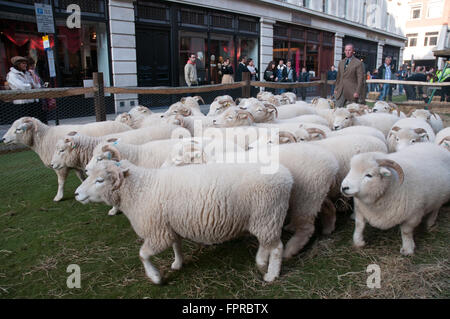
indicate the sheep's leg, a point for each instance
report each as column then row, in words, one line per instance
column 358, row 237
column 408, row 244
column 262, row 258
column 113, row 211
column 431, row 219
column 62, row 176
column 178, row 263
column 304, row 229
column 274, row 268
column 80, row 174
column 328, row 217
column 151, row 271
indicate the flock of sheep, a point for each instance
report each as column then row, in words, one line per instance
column 181, row 174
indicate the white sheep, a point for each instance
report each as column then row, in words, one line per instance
column 430, row 117
column 321, row 103
column 385, row 107
column 443, row 138
column 313, row 169
column 220, row 104
column 186, row 107
column 409, row 131
column 42, row 139
column 398, row 189
column 382, row 121
column 165, row 205
column 360, row 109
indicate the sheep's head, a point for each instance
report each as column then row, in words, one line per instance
column 322, row 103
column 262, row 111
column 359, row 109
column 22, row 131
column 124, row 118
column 234, row 117
column 342, row 118
column 64, row 152
column 104, row 151
column 305, row 134
column 220, row 104
column 422, row 114
column 399, row 138
column 139, row 111
column 445, row 143
column 381, row 107
column 104, row 179
column 291, row 97
column 370, row 176
column 186, row 153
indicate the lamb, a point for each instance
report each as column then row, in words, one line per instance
column 443, row 138
column 382, row 121
column 409, row 131
column 398, row 189
column 360, row 109
column 323, row 104
column 186, row 107
column 313, row 169
column 165, row 205
column 430, row 117
column 42, row 138
column 135, row 117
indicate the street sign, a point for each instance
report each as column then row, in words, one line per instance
column 44, row 18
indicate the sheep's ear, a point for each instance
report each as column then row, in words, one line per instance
column 242, row 115
column 73, row 133
column 112, row 140
column 70, row 142
column 25, row 126
column 385, row 172
column 284, row 140
column 126, row 172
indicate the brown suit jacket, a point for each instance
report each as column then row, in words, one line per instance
column 350, row 80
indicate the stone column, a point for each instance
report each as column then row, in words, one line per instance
column 380, row 53
column 123, row 51
column 338, row 48
column 266, row 44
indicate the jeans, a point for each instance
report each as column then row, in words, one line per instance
column 385, row 92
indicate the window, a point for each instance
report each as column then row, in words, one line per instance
column 434, row 9
column 412, row 40
column 431, row 38
column 415, row 13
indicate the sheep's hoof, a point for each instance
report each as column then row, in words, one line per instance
column 176, row 265
column 269, row 277
column 113, row 211
column 57, row 198
column 407, row 251
column 156, row 280
column 359, row 244
column 262, row 268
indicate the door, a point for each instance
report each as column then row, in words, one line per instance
column 153, row 57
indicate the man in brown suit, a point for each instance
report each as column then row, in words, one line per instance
column 350, row 79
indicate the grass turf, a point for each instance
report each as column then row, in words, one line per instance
column 40, row 239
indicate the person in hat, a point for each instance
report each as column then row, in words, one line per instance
column 19, row 78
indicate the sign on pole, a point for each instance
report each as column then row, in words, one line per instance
column 51, row 63
column 44, row 18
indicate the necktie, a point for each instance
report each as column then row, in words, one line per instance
column 346, row 63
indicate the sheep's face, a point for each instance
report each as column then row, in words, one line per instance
column 219, row 106
column 139, row 111
column 124, row 118
column 321, row 103
column 186, row 153
column 102, row 152
column 445, row 143
column 357, row 108
column 21, row 132
column 262, row 112
column 404, row 137
column 303, row 134
column 381, row 107
column 103, row 180
column 291, row 97
column 233, row 117
column 63, row 150
column 366, row 180
column 342, row 119
column 422, row 114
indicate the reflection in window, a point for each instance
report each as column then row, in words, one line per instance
column 193, row 43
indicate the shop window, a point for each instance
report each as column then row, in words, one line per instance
column 298, row 34
column 248, row 26
column 296, row 56
column 152, row 12
column 193, row 17
column 221, row 21
column 312, row 59
column 221, row 47
column 280, row 50
column 249, row 49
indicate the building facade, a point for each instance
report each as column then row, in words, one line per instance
column 147, row 43
column 426, row 28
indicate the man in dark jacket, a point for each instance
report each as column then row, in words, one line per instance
column 410, row 90
column 303, row 77
column 242, row 67
column 288, row 74
column 332, row 75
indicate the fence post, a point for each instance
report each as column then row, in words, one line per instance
column 246, row 90
column 324, row 85
column 99, row 97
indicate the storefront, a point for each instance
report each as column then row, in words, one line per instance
column 304, row 47
column 80, row 51
column 212, row 35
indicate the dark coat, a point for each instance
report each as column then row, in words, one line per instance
column 241, row 68
column 227, row 69
column 268, row 73
column 284, row 75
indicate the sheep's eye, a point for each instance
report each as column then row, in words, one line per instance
column 346, row 118
column 99, row 158
column 413, row 141
column 18, row 130
column 397, row 139
column 61, row 151
column 99, row 180
column 368, row 175
column 229, row 118
column 302, row 139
